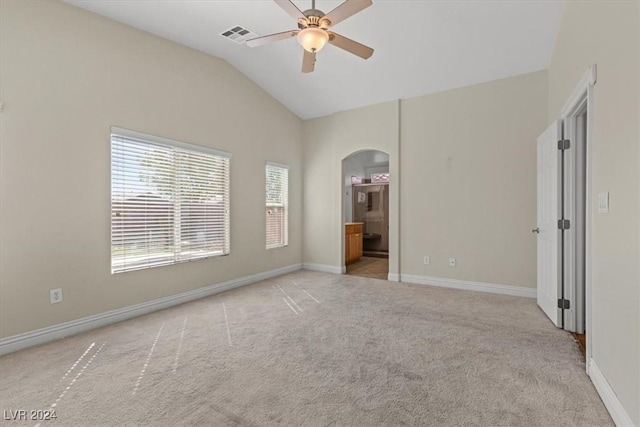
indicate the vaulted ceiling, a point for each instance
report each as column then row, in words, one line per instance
column 420, row 47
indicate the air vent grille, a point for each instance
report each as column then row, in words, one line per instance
column 238, row 34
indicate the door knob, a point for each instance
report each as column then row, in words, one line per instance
column 536, row 230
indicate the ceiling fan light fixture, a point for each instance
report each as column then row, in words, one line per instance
column 312, row 39
column 313, row 30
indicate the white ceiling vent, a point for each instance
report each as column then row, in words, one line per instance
column 238, row 34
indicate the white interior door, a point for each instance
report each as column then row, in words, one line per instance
column 549, row 211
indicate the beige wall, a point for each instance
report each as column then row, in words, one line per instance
column 469, row 181
column 606, row 33
column 327, row 141
column 66, row 76
column 466, row 179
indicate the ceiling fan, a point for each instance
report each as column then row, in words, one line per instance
column 313, row 30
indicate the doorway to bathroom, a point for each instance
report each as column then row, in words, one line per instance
column 366, row 214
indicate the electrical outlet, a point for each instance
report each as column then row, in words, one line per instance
column 452, row 262
column 427, row 260
column 55, row 295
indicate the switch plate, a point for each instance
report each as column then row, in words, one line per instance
column 55, row 295
column 452, row 262
column 427, row 260
column 603, row 203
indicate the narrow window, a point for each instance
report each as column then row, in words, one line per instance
column 277, row 205
column 169, row 201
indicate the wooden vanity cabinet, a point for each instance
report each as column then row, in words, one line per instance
column 353, row 242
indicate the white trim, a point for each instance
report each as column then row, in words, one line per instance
column 470, row 286
column 570, row 200
column 277, row 165
column 588, row 79
column 620, row 417
column 582, row 91
column 333, row 269
column 589, row 222
column 393, row 277
column 61, row 330
column 127, row 133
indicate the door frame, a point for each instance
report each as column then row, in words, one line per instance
column 394, row 211
column 582, row 96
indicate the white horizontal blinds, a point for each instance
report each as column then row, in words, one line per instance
column 168, row 204
column 203, row 194
column 142, row 204
column 277, row 209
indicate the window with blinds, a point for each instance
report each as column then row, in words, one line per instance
column 169, row 201
column 277, row 205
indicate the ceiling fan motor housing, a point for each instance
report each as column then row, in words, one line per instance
column 314, row 19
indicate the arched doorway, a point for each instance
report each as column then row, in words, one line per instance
column 366, row 214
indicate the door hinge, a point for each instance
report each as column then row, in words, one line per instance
column 564, row 224
column 564, row 144
column 564, row 304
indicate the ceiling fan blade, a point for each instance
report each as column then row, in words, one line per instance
column 291, row 9
column 347, row 9
column 350, row 46
column 259, row 41
column 308, row 61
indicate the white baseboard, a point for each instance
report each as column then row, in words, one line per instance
column 393, row 277
column 608, row 396
column 470, row 286
column 334, row 269
column 51, row 333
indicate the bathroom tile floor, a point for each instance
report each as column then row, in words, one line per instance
column 375, row 268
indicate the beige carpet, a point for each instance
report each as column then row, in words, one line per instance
column 314, row 349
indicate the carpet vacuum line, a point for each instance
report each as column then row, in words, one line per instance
column 175, row 362
column 73, row 381
column 146, row 363
column 305, row 291
column 226, row 320
column 287, row 302
column 290, row 299
column 78, row 361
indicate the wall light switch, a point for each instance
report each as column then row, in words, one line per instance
column 603, row 203
column 452, row 262
column 427, row 260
